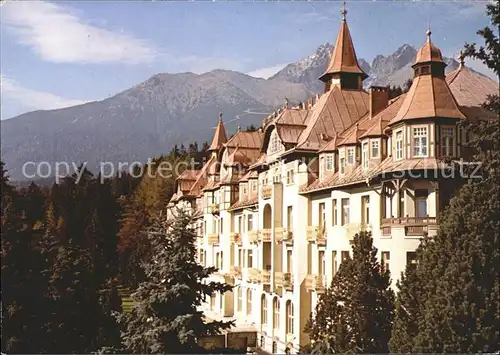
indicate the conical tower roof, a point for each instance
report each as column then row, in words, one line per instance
column 343, row 59
column 219, row 136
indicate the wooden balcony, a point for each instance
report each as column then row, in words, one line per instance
column 316, row 234
column 213, row 239
column 413, row 226
column 266, row 192
column 235, row 238
column 283, row 235
column 253, row 236
column 316, row 283
column 265, row 235
column 284, row 279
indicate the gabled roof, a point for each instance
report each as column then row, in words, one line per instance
column 343, row 58
column 380, row 121
column 219, row 135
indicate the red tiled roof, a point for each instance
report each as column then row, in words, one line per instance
column 244, row 203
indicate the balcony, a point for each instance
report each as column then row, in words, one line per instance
column 253, row 236
column 265, row 235
column 214, row 208
column 352, row 228
column 265, row 277
column 252, row 275
column 235, row 271
column 235, row 238
column 284, row 279
column 266, row 192
column 413, row 226
column 213, row 239
column 316, row 234
column 283, row 235
column 316, row 283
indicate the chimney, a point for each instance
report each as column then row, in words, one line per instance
column 379, row 99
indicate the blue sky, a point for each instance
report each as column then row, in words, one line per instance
column 56, row 54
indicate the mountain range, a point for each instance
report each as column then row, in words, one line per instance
column 166, row 109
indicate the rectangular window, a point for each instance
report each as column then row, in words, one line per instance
column 321, row 216
column 447, row 141
column 365, row 209
column 321, row 261
column 411, row 258
column 342, row 165
column 254, row 186
column 421, row 202
column 250, row 222
column 350, row 156
column 221, row 225
column 399, row 145
column 375, row 149
column 289, row 177
column 386, row 257
column 240, row 258
column 240, row 224
column 420, row 141
column 345, row 211
column 344, row 255
column 329, row 162
column 334, row 212
column 249, row 258
column 334, row 263
column 364, row 155
column 289, row 261
column 245, row 189
column 289, row 218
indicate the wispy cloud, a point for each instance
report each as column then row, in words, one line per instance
column 57, row 34
column 267, row 72
column 30, row 100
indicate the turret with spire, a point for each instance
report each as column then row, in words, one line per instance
column 429, row 59
column 343, row 68
column 219, row 137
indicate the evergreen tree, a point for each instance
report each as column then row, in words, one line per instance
column 355, row 314
column 165, row 318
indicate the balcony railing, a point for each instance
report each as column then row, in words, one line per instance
column 316, row 234
column 235, row 238
column 253, row 236
column 213, row 239
column 284, row 279
column 316, row 283
column 265, row 235
column 283, row 235
column 413, row 226
column 266, row 192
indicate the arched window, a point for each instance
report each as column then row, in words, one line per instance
column 221, row 261
column 289, row 317
column 275, row 144
column 249, row 301
column 276, row 311
column 263, row 309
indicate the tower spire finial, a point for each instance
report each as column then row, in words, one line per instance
column 428, row 32
column 461, row 59
column 220, row 114
column 344, row 11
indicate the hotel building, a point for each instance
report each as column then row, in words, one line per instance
column 276, row 209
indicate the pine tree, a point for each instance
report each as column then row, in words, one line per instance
column 166, row 318
column 355, row 314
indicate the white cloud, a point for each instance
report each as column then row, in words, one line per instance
column 30, row 100
column 267, row 72
column 57, row 34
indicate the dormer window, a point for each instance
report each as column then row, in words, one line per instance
column 375, row 149
column 329, row 162
column 274, row 143
column 364, row 155
column 342, row 165
column 245, row 190
column 350, row 156
column 420, row 141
